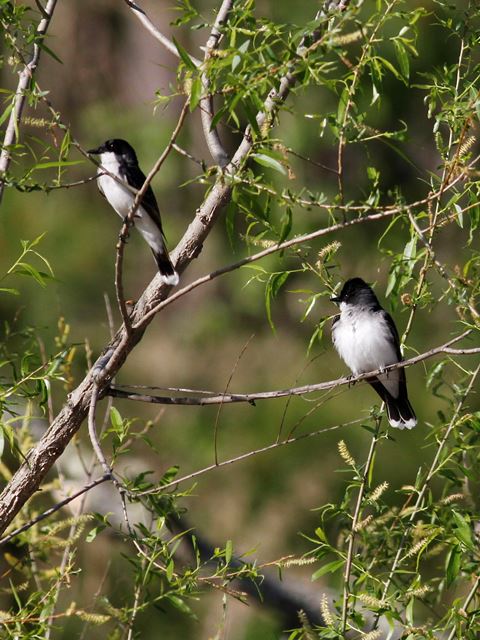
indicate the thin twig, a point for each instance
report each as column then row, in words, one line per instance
column 92, row 432
column 224, row 398
column 244, row 456
column 217, row 418
column 356, row 515
column 129, row 220
column 51, row 510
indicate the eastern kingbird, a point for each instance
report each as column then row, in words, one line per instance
column 366, row 338
column 119, row 159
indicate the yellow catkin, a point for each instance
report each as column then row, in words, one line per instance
column 363, row 523
column 455, row 497
column 378, row 492
column 345, row 453
column 93, row 618
column 297, row 562
column 306, row 627
column 370, row 601
column 466, row 146
column 417, row 547
column 348, row 38
column 419, row 592
column 325, row 609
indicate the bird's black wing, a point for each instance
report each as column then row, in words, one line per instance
column 402, row 378
column 393, row 332
column 135, row 177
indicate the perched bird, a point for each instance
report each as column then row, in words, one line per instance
column 366, row 338
column 120, row 160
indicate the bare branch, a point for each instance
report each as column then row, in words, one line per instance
column 251, row 398
column 25, row 77
column 244, row 456
column 92, row 432
column 140, row 14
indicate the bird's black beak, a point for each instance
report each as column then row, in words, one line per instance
column 96, row 152
column 335, row 299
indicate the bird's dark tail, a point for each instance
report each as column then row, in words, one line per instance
column 399, row 410
column 165, row 266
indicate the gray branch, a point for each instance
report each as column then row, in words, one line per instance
column 25, row 77
column 229, row 398
column 212, row 138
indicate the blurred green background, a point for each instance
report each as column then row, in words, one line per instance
column 105, row 87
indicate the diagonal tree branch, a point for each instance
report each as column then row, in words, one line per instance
column 141, row 15
column 25, row 77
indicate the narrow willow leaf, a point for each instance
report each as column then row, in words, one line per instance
column 330, row 567
column 271, row 163
column 188, row 62
column 402, row 57
column 196, row 92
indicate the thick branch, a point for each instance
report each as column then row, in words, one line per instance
column 212, row 138
column 25, row 77
column 228, row 398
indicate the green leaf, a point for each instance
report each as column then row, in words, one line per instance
column 286, row 225
column 459, row 211
column 179, row 604
column 235, row 62
column 342, row 105
column 228, row 551
column 230, row 222
column 271, row 163
column 93, row 533
column 330, row 567
column 116, row 420
column 463, row 531
column 13, row 292
column 402, row 58
column 388, row 65
column 274, row 284
column 188, row 62
column 320, row 533
column 453, row 564
column 26, row 269
column 196, row 92
column 169, row 570
column 57, row 163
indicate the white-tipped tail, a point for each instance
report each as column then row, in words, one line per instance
column 172, row 279
column 399, row 424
